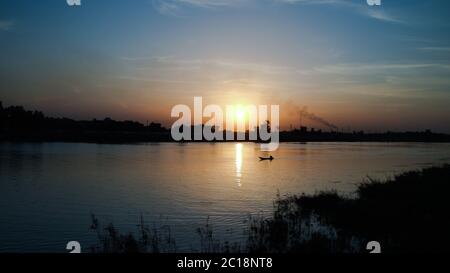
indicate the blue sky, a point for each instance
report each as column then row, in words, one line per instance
column 371, row 68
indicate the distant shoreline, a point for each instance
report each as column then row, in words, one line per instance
column 20, row 125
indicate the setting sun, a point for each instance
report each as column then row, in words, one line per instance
column 239, row 114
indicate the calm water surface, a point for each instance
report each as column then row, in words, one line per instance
column 48, row 191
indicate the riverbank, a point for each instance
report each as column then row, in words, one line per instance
column 408, row 213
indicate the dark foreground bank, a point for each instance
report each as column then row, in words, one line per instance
column 408, row 213
column 405, row 214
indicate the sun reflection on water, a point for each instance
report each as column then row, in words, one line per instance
column 238, row 162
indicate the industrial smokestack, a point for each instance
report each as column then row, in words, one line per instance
column 305, row 114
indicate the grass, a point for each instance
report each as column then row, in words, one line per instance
column 408, row 213
column 149, row 240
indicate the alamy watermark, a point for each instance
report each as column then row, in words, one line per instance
column 73, row 247
column 249, row 122
column 73, row 2
column 374, row 2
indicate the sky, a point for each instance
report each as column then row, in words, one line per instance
column 361, row 67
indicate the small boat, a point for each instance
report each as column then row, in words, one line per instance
column 266, row 158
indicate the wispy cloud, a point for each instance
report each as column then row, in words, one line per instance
column 354, row 69
column 361, row 7
column 195, row 64
column 438, row 49
column 173, row 7
column 318, row 2
column 6, row 25
column 383, row 16
column 213, row 3
column 166, row 7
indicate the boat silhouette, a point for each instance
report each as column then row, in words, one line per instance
column 266, row 158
